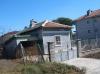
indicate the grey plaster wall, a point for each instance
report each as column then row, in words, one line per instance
column 92, row 24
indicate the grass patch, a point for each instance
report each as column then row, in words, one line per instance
column 44, row 68
column 50, row 68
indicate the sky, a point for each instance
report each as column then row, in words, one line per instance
column 16, row 14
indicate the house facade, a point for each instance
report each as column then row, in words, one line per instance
column 88, row 32
column 88, row 26
column 50, row 40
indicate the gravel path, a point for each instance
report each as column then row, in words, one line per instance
column 92, row 65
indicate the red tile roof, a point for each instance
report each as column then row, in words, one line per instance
column 11, row 33
column 92, row 14
column 55, row 25
column 8, row 35
column 46, row 24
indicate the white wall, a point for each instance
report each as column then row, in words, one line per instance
column 60, row 53
column 19, row 40
column 65, row 40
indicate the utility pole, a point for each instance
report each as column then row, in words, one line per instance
column 77, row 41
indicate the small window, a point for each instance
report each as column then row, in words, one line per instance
column 96, row 30
column 88, row 22
column 57, row 40
column 89, row 31
column 94, row 20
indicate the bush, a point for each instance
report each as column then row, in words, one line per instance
column 50, row 68
column 30, row 69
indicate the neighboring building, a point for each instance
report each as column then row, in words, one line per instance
column 88, row 32
column 1, row 49
column 47, row 39
column 4, row 38
column 88, row 26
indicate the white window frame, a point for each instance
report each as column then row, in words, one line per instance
column 56, row 40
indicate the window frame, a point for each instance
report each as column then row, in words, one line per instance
column 95, row 20
column 55, row 40
column 88, row 21
column 89, row 31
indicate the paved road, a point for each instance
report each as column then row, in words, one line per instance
column 92, row 65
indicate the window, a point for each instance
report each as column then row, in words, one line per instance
column 89, row 31
column 94, row 20
column 96, row 30
column 88, row 22
column 57, row 40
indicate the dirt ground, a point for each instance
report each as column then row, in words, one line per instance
column 8, row 65
column 92, row 66
column 95, row 55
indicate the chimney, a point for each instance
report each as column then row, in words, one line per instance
column 32, row 23
column 88, row 12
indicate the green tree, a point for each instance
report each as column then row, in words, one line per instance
column 63, row 20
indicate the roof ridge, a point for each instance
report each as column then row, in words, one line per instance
column 46, row 21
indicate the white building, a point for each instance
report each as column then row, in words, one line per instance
column 53, row 40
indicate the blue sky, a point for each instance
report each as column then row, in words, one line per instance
column 15, row 14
